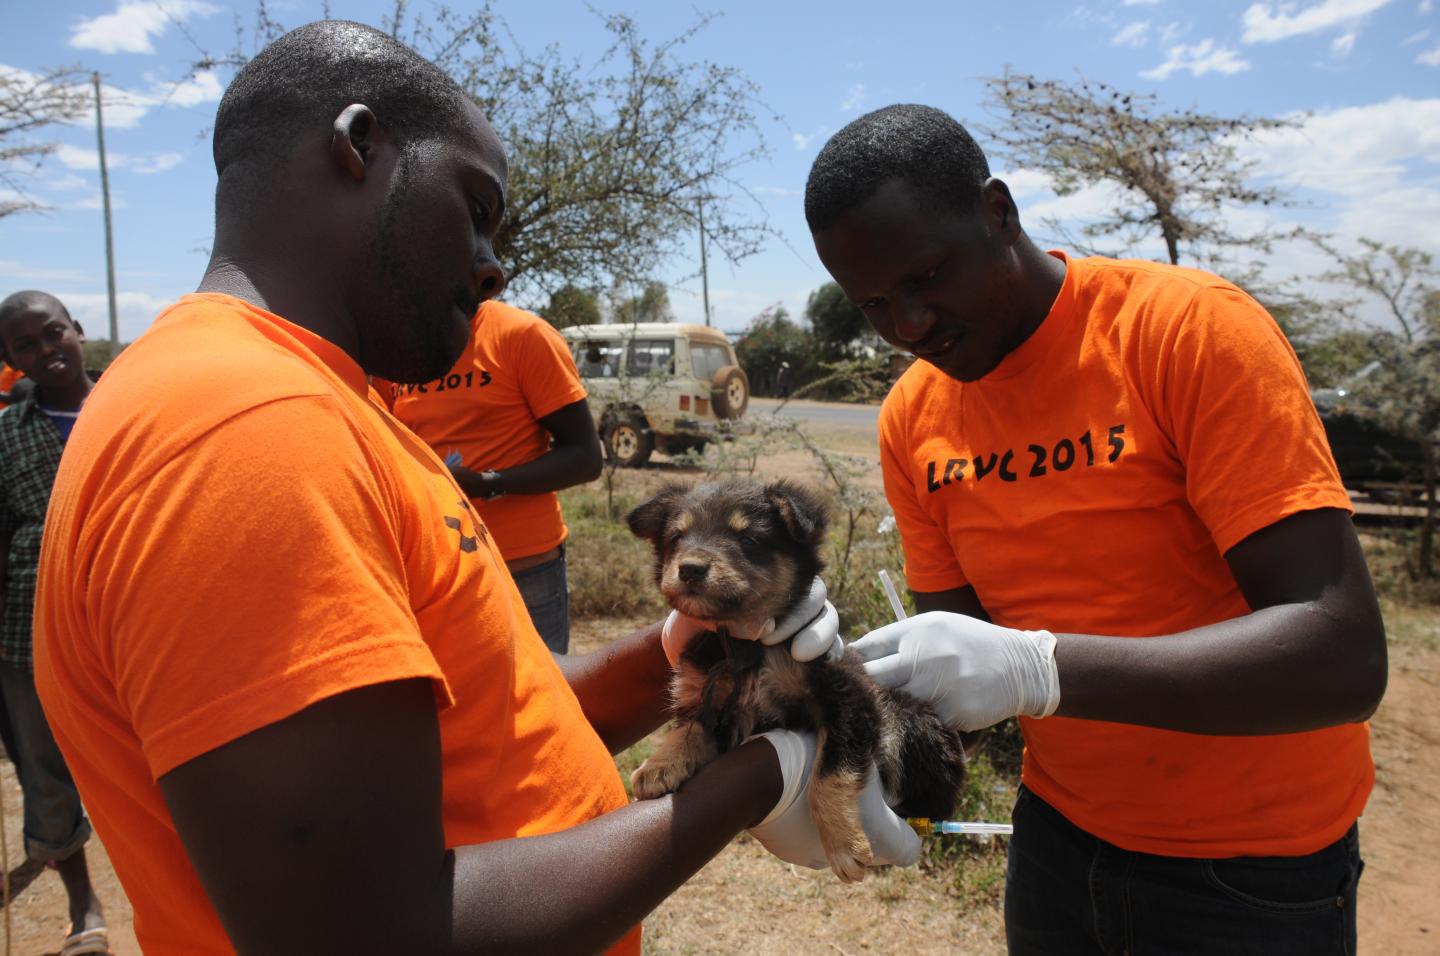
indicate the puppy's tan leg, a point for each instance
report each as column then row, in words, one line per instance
column 682, row 751
column 835, row 808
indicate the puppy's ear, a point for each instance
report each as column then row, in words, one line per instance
column 801, row 512
column 649, row 519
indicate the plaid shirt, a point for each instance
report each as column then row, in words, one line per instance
column 30, row 448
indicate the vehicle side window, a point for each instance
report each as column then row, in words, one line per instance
column 599, row 359
column 707, row 358
column 651, row 356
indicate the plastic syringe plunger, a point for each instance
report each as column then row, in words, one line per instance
column 927, row 827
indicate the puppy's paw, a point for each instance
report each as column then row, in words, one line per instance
column 850, row 857
column 835, row 808
column 655, row 778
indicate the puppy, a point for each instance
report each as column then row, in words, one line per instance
column 739, row 554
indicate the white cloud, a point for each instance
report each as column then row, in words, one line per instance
column 1415, row 38
column 97, row 201
column 1025, row 182
column 1269, row 22
column 135, row 310
column 1198, row 59
column 154, row 163
column 800, row 140
column 1343, row 44
column 134, row 24
column 854, row 98
column 24, row 273
column 1357, row 152
column 203, row 87
column 1429, row 57
column 1136, row 34
column 1140, row 3
column 1425, row 7
column 77, row 157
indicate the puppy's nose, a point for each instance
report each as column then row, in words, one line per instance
column 692, row 570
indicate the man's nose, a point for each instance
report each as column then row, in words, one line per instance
column 913, row 319
column 489, row 277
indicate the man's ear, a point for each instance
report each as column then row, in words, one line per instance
column 649, row 519
column 352, row 144
column 1000, row 207
column 800, row 511
column 79, row 332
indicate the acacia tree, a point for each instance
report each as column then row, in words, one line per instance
column 837, row 323
column 1402, row 393
column 29, row 102
column 1178, row 169
column 609, row 159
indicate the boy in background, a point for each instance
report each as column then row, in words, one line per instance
column 39, row 339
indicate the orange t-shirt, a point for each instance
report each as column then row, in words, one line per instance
column 238, row 531
column 516, row 370
column 1091, row 484
column 9, row 375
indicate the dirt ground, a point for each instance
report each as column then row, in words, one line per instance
column 747, row 902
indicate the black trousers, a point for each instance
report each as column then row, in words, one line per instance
column 1067, row 892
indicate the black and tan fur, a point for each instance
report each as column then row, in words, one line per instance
column 741, row 552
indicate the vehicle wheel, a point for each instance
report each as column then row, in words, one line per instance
column 629, row 443
column 730, row 392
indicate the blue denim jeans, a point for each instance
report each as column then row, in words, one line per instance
column 55, row 824
column 1067, row 892
column 547, row 598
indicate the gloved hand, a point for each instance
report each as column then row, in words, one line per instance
column 789, row 832
column 973, row 673
column 814, row 625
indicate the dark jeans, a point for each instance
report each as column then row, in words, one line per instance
column 55, row 824
column 1067, row 892
column 547, row 598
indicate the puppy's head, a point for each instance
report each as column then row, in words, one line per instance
column 735, row 550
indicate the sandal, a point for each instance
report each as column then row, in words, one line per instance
column 90, row 942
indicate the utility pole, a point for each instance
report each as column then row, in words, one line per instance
column 704, row 265
column 109, row 237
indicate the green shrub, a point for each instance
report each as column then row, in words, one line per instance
column 610, row 570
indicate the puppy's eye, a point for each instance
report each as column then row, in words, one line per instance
column 750, row 541
column 673, row 538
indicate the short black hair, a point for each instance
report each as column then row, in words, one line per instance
column 919, row 145
column 308, row 76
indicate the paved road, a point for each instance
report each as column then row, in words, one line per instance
column 837, row 413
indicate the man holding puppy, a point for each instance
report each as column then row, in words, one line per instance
column 1123, row 524
column 313, row 716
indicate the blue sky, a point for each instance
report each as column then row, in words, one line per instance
column 1363, row 77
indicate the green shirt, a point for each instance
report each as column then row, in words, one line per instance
column 30, row 447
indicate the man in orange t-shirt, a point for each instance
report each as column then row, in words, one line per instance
column 512, row 420
column 1121, row 523
column 286, row 663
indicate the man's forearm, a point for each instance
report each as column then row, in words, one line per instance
column 579, row 891
column 622, row 687
column 1279, row 670
column 563, row 466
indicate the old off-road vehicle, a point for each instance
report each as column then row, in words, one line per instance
column 659, row 385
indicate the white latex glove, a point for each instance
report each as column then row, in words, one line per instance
column 789, row 832
column 973, row 673
column 814, row 625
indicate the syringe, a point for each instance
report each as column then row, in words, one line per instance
column 927, row 827
column 924, row 825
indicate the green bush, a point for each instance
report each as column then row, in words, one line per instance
column 610, row 570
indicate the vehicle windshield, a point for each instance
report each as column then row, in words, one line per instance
column 707, row 358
